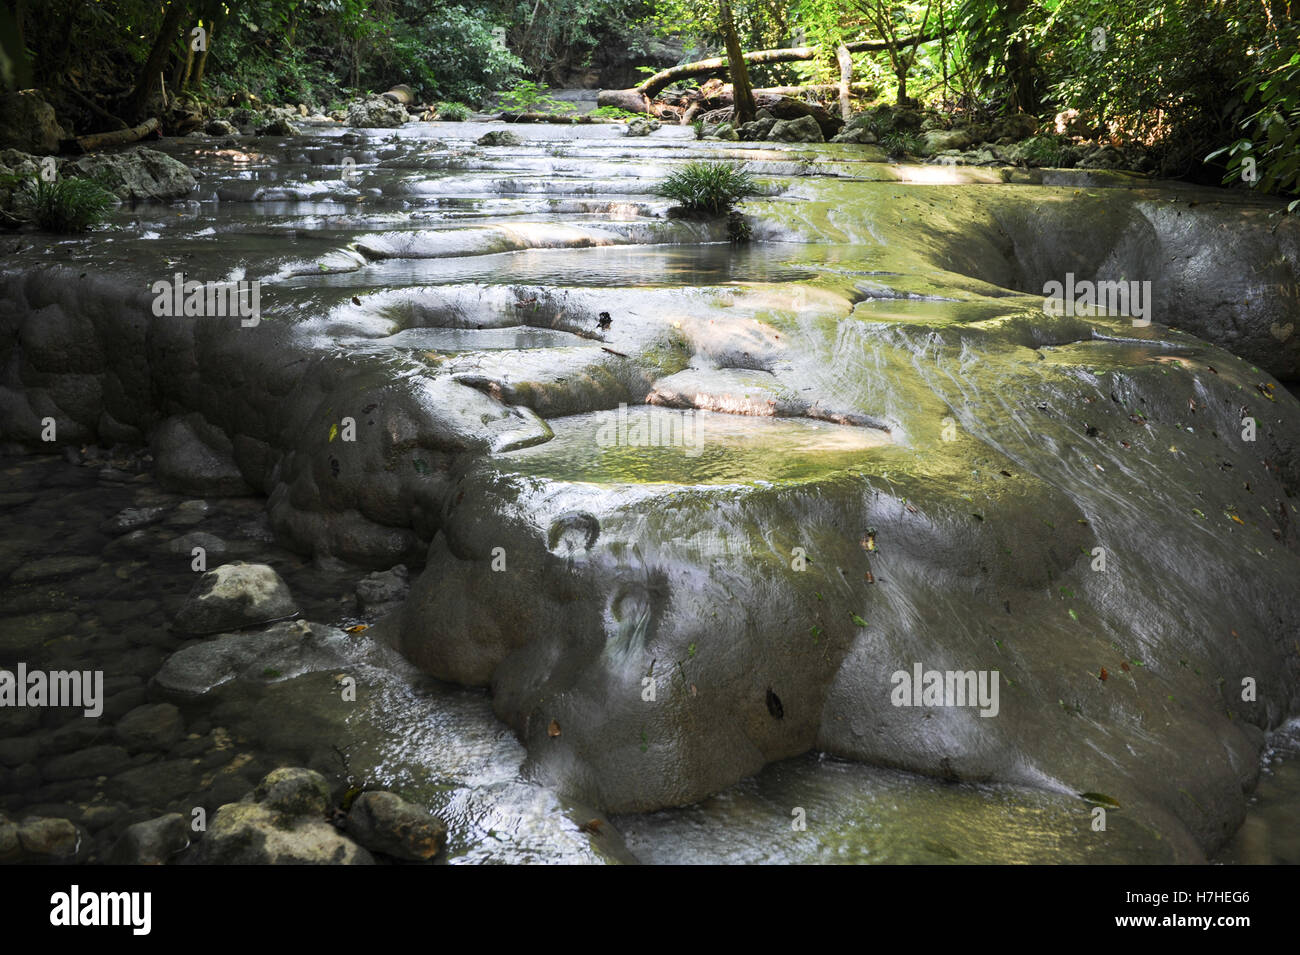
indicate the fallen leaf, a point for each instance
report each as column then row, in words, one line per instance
column 358, row 628
column 1103, row 675
column 858, row 621
column 1124, row 667
column 553, row 730
column 1100, row 799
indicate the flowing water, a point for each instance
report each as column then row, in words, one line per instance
column 431, row 252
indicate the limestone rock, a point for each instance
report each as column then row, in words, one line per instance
column 155, row 842
column 282, row 822
column 193, row 457
column 246, row 833
column 939, row 140
column 138, row 173
column 499, row 137
column 805, row 129
column 28, row 123
column 641, row 127
column 385, row 822
column 150, row 727
column 286, row 650
column 383, row 591
column 233, row 597
column 377, row 112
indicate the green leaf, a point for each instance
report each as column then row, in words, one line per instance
column 858, row 621
column 1100, row 799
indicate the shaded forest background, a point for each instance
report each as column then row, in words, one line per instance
column 1190, row 79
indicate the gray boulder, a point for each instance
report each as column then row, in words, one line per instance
column 282, row 822
column 377, row 112
column 805, row 129
column 383, row 591
column 234, row 597
column 138, row 173
column 246, row 833
column 294, row 792
column 641, row 127
column 38, row 840
column 499, row 137
column 153, row 726
column 28, row 123
column 193, row 457
column 154, row 842
column 220, row 127
column 284, row 651
column 385, row 822
column 757, row 130
column 131, row 519
column 940, row 140
column 855, row 133
column 1103, row 157
column 278, row 126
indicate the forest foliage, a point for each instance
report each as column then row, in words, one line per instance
column 1190, row 79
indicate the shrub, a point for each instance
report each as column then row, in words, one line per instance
column 453, row 112
column 65, row 205
column 616, row 112
column 1273, row 128
column 526, row 96
column 902, row 143
column 708, row 188
column 1041, row 151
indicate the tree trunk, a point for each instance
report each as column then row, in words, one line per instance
column 845, row 59
column 744, row 96
column 162, row 45
column 116, row 138
column 201, row 64
column 654, row 85
column 1020, row 61
column 184, row 67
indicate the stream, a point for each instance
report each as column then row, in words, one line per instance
column 808, row 369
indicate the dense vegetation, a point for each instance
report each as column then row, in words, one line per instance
column 1189, row 79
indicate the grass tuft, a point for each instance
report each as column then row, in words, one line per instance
column 66, row 205
column 708, row 188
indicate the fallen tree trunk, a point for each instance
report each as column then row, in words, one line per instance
column 566, row 118
column 816, row 89
column 633, row 99
column 115, row 138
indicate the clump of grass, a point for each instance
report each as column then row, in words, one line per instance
column 453, row 112
column 1041, row 151
column 65, row 205
column 708, row 188
column 902, row 143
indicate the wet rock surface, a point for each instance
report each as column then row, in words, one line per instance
column 900, row 409
column 234, row 596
